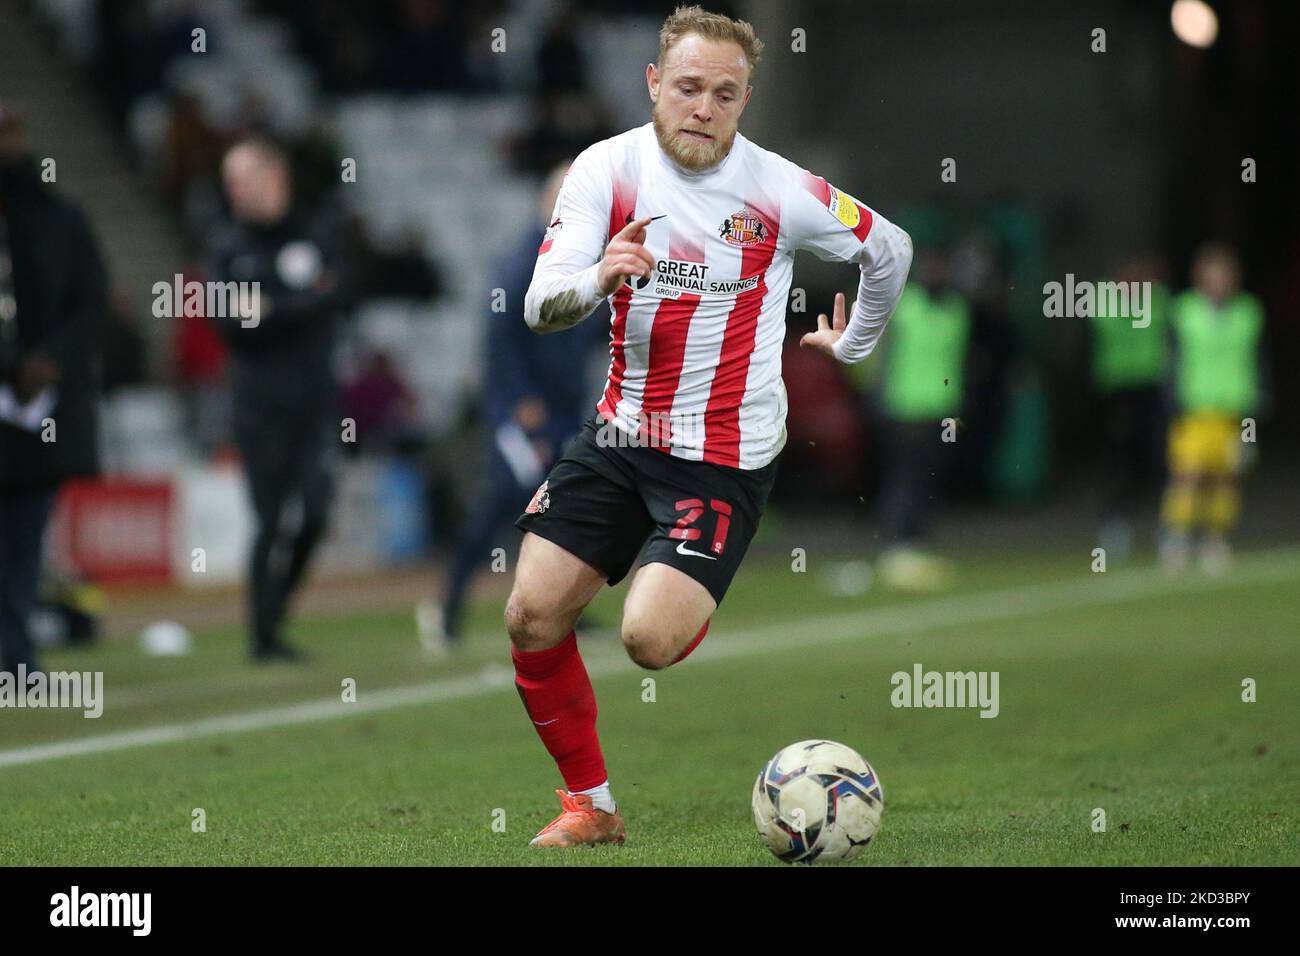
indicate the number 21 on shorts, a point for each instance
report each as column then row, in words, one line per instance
column 694, row 508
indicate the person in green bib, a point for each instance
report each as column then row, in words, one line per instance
column 1216, row 331
column 923, row 364
column 1130, row 365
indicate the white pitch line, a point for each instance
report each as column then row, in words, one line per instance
column 1004, row 604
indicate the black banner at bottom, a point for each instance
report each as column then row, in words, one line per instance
column 333, row 905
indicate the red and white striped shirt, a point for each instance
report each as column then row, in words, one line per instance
column 695, row 348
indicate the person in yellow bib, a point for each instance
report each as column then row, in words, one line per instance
column 1216, row 335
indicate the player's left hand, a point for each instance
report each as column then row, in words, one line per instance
column 827, row 334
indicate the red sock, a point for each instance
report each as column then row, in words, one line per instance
column 693, row 644
column 557, row 694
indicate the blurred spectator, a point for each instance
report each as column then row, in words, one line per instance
column 1217, row 332
column 1129, row 370
column 978, row 268
column 534, row 403
column 52, row 304
column 381, row 404
column 924, row 360
column 282, row 381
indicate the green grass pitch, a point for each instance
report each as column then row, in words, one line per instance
column 1120, row 691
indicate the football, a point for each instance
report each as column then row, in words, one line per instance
column 817, row 801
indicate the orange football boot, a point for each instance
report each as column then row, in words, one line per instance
column 580, row 824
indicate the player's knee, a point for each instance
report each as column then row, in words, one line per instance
column 647, row 647
column 528, row 625
column 521, row 622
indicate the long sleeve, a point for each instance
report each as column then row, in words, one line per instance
column 565, row 287
column 837, row 228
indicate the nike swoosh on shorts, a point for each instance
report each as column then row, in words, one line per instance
column 682, row 549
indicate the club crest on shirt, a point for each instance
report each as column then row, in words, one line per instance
column 541, row 500
column 743, row 228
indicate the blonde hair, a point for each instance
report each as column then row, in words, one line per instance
column 686, row 21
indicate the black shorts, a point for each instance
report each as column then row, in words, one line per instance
column 605, row 504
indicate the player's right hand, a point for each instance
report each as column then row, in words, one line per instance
column 626, row 256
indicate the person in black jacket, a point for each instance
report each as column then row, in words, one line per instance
column 53, row 299
column 534, row 402
column 285, row 395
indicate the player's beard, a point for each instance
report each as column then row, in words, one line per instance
column 687, row 153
